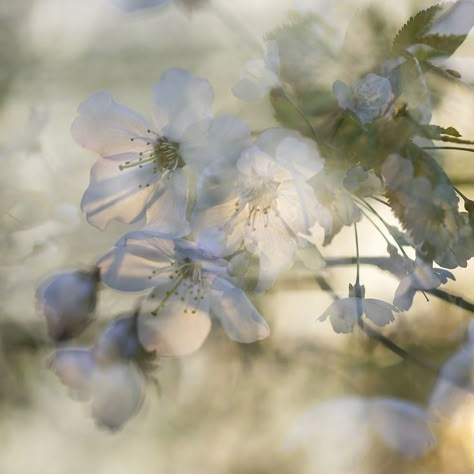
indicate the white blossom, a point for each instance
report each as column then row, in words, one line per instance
column 114, row 391
column 259, row 76
column 423, row 277
column 67, row 301
column 187, row 285
column 355, row 423
column 344, row 313
column 369, row 98
column 263, row 204
column 144, row 167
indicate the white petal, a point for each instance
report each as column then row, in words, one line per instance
column 180, row 100
column 455, row 382
column 166, row 209
column 300, row 156
column 220, row 230
column 136, row 5
column 74, row 367
column 297, row 205
column 403, row 426
column 256, row 80
column 343, row 314
column 67, row 300
column 223, row 137
column 106, row 127
column 272, row 56
column 118, row 341
column 117, row 393
column 379, row 312
column 115, row 194
column 343, row 93
column 239, row 318
column 404, row 294
column 137, row 262
column 181, row 324
column 268, row 237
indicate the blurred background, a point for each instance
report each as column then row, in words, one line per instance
column 229, row 408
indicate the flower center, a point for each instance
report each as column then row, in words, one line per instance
column 162, row 154
column 188, row 287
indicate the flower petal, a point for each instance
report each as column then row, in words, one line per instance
column 106, row 127
column 166, row 209
column 223, row 137
column 74, row 367
column 115, row 194
column 343, row 315
column 180, row 100
column 379, row 312
column 181, row 324
column 403, row 426
column 239, row 318
column 117, row 392
column 137, row 262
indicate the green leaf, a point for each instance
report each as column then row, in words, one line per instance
column 445, row 44
column 416, row 27
column 436, row 132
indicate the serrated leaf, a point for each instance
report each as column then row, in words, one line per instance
column 436, row 132
column 445, row 44
column 416, row 27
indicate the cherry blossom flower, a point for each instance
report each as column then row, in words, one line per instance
column 443, row 234
column 338, row 208
column 455, row 385
column 187, row 284
column 143, row 167
column 114, row 391
column 356, row 423
column 423, row 277
column 67, row 301
column 264, row 205
column 111, row 376
column 130, row 6
column 259, row 76
column 344, row 313
column 369, row 98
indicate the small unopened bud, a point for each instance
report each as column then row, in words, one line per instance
column 119, row 341
column 67, row 300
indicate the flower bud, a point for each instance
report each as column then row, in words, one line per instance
column 67, row 300
column 119, row 341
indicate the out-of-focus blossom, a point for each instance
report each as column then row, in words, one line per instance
column 143, row 167
column 356, row 423
column 114, row 390
column 455, row 385
column 188, row 284
column 345, row 313
column 338, row 208
column 67, row 301
column 138, row 5
column 259, row 76
column 369, row 98
column 119, row 341
column 362, row 183
column 427, row 206
column 264, row 206
column 423, row 277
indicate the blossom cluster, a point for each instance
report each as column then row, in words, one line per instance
column 216, row 203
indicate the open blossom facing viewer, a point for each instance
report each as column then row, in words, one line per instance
column 143, row 167
column 187, row 283
column 264, row 206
